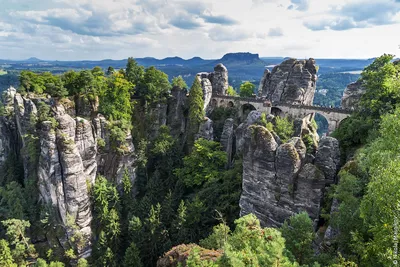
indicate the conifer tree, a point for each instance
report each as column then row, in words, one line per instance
column 132, row 257
column 196, row 111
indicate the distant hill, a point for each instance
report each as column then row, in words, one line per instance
column 32, row 59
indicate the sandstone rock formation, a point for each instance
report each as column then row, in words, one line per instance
column 206, row 130
column 68, row 161
column 214, row 83
column 177, row 113
column 293, row 82
column 227, row 138
column 352, row 95
column 280, row 180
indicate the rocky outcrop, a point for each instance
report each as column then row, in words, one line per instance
column 280, row 180
column 207, row 88
column 327, row 158
column 242, row 129
column 177, row 110
column 293, row 82
column 352, row 95
column 178, row 255
column 65, row 155
column 206, row 130
column 219, row 80
column 214, row 83
column 227, row 138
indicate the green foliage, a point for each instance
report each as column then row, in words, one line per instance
column 6, row 259
column 12, row 201
column 284, row 128
column 196, row 110
column 154, row 87
column 251, row 245
column 194, row 260
column 247, row 89
column 132, row 257
column 309, row 143
column 204, row 163
column 21, row 247
column 134, row 72
column 164, row 141
column 115, row 103
column 231, row 91
column 218, row 238
column 382, row 93
column 298, row 232
column 179, row 82
column 42, row 83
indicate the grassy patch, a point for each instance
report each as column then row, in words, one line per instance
column 3, row 72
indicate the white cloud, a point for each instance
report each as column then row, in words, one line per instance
column 93, row 29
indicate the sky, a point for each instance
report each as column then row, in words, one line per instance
column 117, row 29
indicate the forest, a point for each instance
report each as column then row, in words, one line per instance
column 185, row 197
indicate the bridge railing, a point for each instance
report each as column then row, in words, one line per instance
column 276, row 104
column 325, row 109
column 238, row 98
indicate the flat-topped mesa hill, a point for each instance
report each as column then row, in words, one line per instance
column 248, row 58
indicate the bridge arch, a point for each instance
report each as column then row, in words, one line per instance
column 245, row 109
column 277, row 111
column 214, row 103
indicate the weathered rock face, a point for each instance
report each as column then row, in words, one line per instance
column 68, row 161
column 293, row 82
column 280, row 180
column 352, row 95
column 206, row 130
column 207, row 88
column 219, row 80
column 227, row 138
column 177, row 113
column 214, row 83
column 242, row 128
column 327, row 158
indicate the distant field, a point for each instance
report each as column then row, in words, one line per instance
column 3, row 72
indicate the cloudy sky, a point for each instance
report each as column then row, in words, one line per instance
column 116, row 29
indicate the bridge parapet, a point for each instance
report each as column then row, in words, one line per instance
column 317, row 108
column 238, row 98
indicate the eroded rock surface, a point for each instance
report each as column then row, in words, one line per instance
column 214, row 83
column 67, row 161
column 293, row 82
column 352, row 95
column 279, row 180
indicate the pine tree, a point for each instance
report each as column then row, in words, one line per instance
column 132, row 257
column 196, row 111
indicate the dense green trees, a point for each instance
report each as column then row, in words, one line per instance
column 299, row 234
column 247, row 89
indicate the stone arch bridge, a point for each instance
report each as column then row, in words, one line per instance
column 333, row 115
